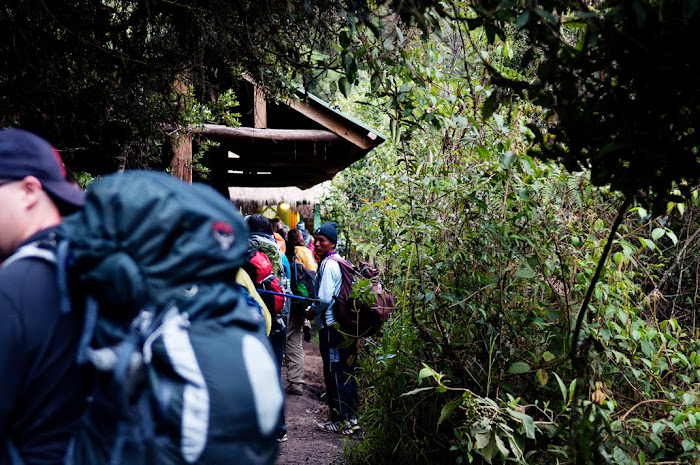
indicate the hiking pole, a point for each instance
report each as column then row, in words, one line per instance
column 291, row 296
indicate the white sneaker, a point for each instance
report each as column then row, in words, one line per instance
column 284, row 438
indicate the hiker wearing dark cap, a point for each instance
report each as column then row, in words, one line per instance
column 339, row 357
column 42, row 390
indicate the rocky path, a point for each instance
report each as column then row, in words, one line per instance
column 307, row 445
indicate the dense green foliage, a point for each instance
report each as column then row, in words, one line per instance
column 616, row 77
column 490, row 253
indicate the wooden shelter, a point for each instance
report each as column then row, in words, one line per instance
column 294, row 143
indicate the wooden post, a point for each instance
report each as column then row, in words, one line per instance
column 260, row 109
column 182, row 158
column 182, row 143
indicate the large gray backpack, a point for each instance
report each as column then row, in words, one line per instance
column 183, row 371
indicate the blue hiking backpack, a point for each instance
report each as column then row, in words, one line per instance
column 183, row 371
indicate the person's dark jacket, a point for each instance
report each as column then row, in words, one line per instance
column 41, row 388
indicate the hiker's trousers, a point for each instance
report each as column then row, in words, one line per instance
column 294, row 353
column 277, row 341
column 339, row 364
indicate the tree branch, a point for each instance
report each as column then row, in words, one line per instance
column 596, row 276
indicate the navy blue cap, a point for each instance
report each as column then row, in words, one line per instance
column 25, row 154
column 328, row 230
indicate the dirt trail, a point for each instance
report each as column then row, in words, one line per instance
column 307, row 445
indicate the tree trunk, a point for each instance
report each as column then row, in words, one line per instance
column 182, row 143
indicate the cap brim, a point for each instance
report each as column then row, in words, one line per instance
column 65, row 192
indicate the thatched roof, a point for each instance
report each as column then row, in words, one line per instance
column 252, row 199
column 274, row 195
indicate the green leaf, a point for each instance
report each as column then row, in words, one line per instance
column 688, row 399
column 526, row 273
column 481, row 431
column 490, row 451
column 658, row 427
column 658, row 233
column 448, row 409
column 562, row 387
column 647, row 243
column 542, row 377
column 619, row 455
column 527, row 421
column 518, row 368
column 388, row 44
column 344, row 86
column 344, row 39
column 672, row 236
column 679, row 418
column 399, row 34
column 416, row 391
column 501, row 445
column 425, row 373
column 482, row 439
column 572, row 388
column 546, row 15
column 490, row 106
column 548, row 356
column 522, row 20
column 517, row 451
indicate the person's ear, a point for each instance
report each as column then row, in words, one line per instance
column 32, row 189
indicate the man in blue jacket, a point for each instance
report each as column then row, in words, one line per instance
column 42, row 388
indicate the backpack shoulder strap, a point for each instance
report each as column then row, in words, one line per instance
column 31, row 250
column 345, row 266
column 52, row 253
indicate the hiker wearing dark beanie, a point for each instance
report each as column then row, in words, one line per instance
column 339, row 357
column 329, row 230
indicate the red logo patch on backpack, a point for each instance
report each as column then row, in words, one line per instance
column 223, row 234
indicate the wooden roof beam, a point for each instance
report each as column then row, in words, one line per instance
column 334, row 123
column 310, row 135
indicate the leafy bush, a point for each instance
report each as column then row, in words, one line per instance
column 489, row 254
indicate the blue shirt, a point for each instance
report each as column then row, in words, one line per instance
column 328, row 281
column 287, row 271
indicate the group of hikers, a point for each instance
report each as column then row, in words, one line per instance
column 308, row 274
column 146, row 322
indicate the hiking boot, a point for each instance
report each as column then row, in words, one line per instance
column 307, row 330
column 339, row 427
column 354, row 425
column 295, row 390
